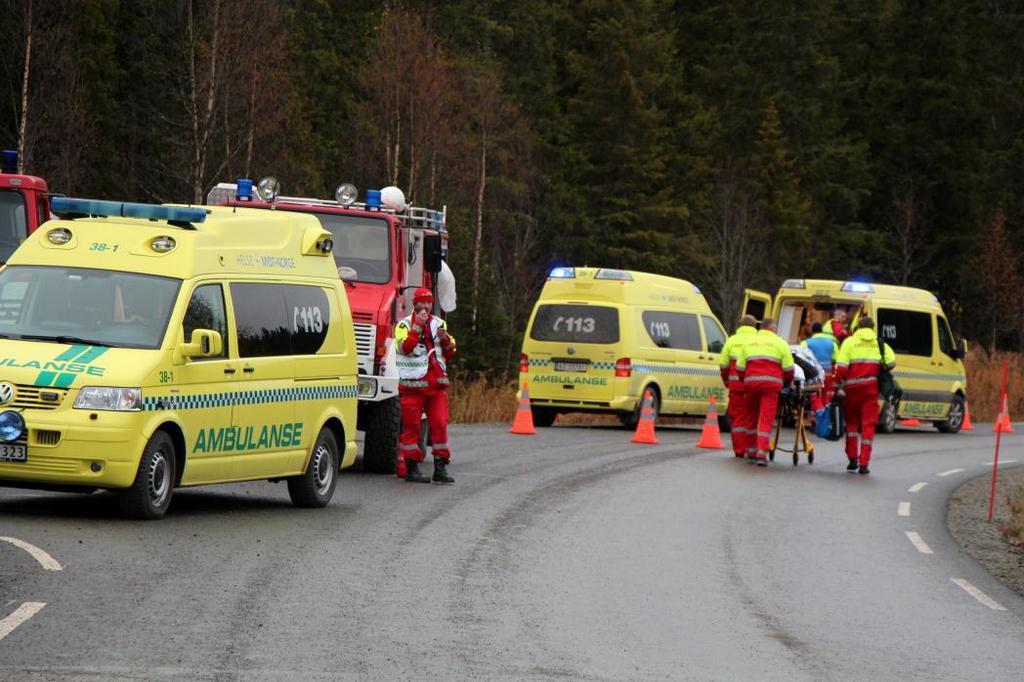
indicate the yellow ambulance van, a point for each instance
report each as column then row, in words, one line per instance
column 145, row 347
column 929, row 365
column 599, row 337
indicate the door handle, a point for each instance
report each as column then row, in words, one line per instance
column 248, row 370
column 229, row 370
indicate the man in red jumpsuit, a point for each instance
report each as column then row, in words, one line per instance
column 857, row 366
column 743, row 418
column 765, row 364
column 424, row 346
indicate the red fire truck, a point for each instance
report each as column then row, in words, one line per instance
column 384, row 250
column 24, row 204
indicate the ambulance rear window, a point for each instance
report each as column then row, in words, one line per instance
column 576, row 323
column 906, row 331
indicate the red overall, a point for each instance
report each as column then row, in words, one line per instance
column 765, row 365
column 742, row 414
column 432, row 399
column 857, row 371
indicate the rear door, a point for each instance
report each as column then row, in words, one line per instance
column 756, row 303
column 571, row 351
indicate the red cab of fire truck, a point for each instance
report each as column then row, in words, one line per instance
column 24, row 204
column 384, row 250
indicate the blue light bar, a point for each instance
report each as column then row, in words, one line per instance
column 10, row 161
column 243, row 189
column 858, row 287
column 794, row 284
column 373, row 200
column 94, row 207
column 696, row 289
column 562, row 273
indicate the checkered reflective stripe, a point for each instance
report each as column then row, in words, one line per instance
column 538, row 362
column 602, row 365
column 669, row 369
column 203, row 401
column 929, row 377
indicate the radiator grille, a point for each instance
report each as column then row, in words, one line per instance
column 366, row 337
column 37, row 397
column 46, row 437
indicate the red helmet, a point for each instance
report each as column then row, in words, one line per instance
column 423, row 295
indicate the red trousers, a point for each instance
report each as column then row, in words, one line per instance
column 744, row 423
column 415, row 401
column 861, row 412
column 764, row 404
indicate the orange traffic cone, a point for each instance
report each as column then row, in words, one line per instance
column 710, row 436
column 967, row 425
column 1002, row 424
column 910, row 422
column 523, row 423
column 645, row 426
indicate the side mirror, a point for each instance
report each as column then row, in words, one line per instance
column 432, row 252
column 961, row 350
column 205, row 343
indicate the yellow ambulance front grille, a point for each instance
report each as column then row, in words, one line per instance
column 46, row 437
column 38, row 397
column 43, row 465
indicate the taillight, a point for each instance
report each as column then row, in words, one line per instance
column 524, row 362
column 623, row 367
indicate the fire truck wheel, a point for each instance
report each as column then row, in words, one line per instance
column 383, row 422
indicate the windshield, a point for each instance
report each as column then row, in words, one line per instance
column 80, row 305
column 362, row 248
column 13, row 223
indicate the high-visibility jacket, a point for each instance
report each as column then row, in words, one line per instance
column 420, row 354
column 825, row 348
column 727, row 360
column 859, row 360
column 765, row 362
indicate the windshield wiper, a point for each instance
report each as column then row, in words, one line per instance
column 65, row 339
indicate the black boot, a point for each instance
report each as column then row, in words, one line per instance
column 863, row 470
column 852, row 466
column 441, row 471
column 412, row 472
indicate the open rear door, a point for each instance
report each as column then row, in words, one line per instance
column 756, row 303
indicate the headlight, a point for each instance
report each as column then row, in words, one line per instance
column 12, row 426
column 104, row 398
column 366, row 387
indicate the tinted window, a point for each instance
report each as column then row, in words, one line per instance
column 13, row 223
column 945, row 338
column 673, row 330
column 713, row 332
column 906, row 331
column 280, row 319
column 576, row 323
column 206, row 311
column 362, row 247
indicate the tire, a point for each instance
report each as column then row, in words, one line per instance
column 315, row 487
column 887, row 418
column 725, row 423
column 383, row 422
column 631, row 419
column 543, row 416
column 150, row 493
column 955, row 419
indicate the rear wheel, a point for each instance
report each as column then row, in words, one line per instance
column 315, row 487
column 383, row 424
column 543, row 416
column 631, row 419
column 150, row 493
column 955, row 419
column 887, row 418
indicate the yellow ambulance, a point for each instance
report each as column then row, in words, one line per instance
column 145, row 347
column 929, row 359
column 598, row 338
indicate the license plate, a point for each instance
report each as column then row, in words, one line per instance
column 12, row 453
column 562, row 366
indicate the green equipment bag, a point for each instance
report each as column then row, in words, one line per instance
column 888, row 387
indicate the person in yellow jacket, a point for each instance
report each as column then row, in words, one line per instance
column 741, row 415
column 857, row 366
column 765, row 364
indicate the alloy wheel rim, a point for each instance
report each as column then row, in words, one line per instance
column 956, row 415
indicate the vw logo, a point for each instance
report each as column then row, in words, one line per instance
column 6, row 392
column 570, row 350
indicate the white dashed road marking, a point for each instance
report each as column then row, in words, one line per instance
column 44, row 559
column 903, row 509
column 1001, row 462
column 920, row 544
column 916, row 487
column 950, row 472
column 20, row 615
column 979, row 595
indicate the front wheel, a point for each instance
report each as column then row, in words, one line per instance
column 887, row 418
column 315, row 487
column 383, row 425
column 955, row 419
column 150, row 493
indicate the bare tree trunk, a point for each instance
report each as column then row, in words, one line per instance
column 22, row 127
column 412, row 149
column 478, row 238
column 202, row 126
column 252, row 127
column 433, row 174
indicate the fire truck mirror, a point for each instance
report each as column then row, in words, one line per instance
column 432, row 252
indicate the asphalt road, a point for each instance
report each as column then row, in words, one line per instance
column 572, row 554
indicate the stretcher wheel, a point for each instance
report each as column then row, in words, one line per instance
column 796, row 458
column 771, row 455
column 810, row 456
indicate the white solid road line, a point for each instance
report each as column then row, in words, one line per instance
column 979, row 595
column 44, row 559
column 903, row 509
column 950, row 472
column 20, row 615
column 916, row 487
column 920, row 544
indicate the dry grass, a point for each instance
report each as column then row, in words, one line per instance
column 984, row 377
column 1014, row 530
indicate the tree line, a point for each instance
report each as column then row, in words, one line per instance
column 731, row 143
